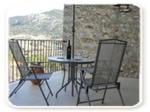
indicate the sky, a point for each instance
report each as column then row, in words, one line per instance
column 25, row 7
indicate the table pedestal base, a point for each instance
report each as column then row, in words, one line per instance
column 72, row 79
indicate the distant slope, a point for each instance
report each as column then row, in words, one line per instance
column 48, row 24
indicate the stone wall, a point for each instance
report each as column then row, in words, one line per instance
column 94, row 22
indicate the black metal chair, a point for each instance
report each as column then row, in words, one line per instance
column 27, row 73
column 105, row 73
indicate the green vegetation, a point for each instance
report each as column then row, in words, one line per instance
column 49, row 24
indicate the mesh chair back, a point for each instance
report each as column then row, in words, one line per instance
column 108, row 61
column 19, row 57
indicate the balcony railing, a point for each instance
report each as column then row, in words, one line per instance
column 36, row 51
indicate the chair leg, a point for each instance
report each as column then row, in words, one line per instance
column 17, row 88
column 21, row 84
column 121, row 96
column 104, row 95
column 76, row 86
column 49, row 87
column 87, row 94
column 43, row 95
column 118, row 88
column 78, row 100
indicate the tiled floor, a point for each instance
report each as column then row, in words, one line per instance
column 30, row 95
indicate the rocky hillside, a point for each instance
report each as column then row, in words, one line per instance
column 45, row 25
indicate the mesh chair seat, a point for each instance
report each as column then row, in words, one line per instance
column 99, row 81
column 39, row 76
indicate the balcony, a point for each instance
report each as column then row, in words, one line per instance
column 30, row 95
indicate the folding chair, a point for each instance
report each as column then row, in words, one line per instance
column 106, row 71
column 27, row 73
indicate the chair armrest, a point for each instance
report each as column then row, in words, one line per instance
column 36, row 66
column 37, row 63
column 88, row 69
column 84, row 73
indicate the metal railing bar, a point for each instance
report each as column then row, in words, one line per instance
column 35, row 51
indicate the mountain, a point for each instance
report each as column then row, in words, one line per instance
column 46, row 24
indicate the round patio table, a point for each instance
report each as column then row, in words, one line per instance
column 72, row 66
